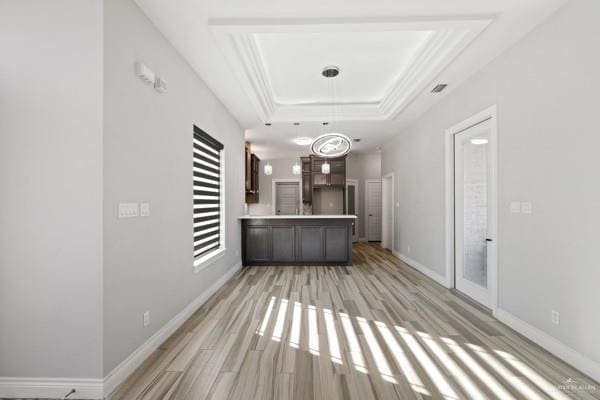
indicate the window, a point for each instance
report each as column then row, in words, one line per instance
column 208, row 198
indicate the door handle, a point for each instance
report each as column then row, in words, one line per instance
column 488, row 240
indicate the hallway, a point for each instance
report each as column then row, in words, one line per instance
column 376, row 330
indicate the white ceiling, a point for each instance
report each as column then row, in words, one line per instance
column 263, row 58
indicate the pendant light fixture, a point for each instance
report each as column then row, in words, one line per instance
column 296, row 170
column 331, row 144
column 268, row 168
column 325, row 168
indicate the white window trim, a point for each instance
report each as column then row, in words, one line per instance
column 209, row 259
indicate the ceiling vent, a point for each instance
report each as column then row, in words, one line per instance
column 438, row 88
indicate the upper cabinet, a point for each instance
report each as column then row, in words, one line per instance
column 306, row 180
column 252, row 173
column 337, row 172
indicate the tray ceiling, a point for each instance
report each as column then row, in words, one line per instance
column 385, row 63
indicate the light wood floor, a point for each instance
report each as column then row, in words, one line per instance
column 377, row 330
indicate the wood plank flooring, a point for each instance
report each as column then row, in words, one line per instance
column 376, row 330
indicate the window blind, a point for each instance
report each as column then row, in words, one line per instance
column 207, row 193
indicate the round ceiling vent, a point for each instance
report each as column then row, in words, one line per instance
column 331, row 145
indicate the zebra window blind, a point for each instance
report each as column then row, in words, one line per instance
column 207, row 193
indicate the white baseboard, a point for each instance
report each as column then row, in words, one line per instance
column 441, row 279
column 554, row 346
column 135, row 359
column 51, row 388
column 100, row 388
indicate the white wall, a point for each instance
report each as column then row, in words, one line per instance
column 148, row 157
column 50, row 189
column 547, row 90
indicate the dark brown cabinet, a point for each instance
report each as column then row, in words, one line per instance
column 306, row 180
column 252, row 173
column 337, row 172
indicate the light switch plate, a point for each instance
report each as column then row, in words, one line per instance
column 128, row 210
column 144, row 209
column 515, row 207
column 526, row 208
column 397, row 204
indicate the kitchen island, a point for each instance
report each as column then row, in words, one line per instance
column 297, row 239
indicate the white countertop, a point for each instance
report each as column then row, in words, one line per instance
column 328, row 216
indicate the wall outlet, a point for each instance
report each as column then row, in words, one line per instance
column 526, row 208
column 408, row 249
column 147, row 318
column 555, row 317
column 515, row 207
column 145, row 210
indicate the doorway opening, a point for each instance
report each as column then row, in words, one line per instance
column 387, row 212
column 352, row 205
column 471, row 207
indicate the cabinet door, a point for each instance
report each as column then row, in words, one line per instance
column 319, row 180
column 337, row 179
column 306, row 188
column 306, row 169
column 283, row 247
column 338, row 166
column 310, row 243
column 336, row 243
column 248, row 166
column 258, row 244
column 316, row 164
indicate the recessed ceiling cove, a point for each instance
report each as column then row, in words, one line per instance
column 385, row 62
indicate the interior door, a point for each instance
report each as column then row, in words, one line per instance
column 472, row 187
column 352, row 205
column 287, row 198
column 374, row 211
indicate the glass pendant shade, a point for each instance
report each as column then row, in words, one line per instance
column 296, row 170
column 268, row 169
column 325, row 168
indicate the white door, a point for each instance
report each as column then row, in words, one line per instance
column 373, row 210
column 352, row 204
column 287, row 198
column 472, row 194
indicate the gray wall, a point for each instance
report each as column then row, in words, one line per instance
column 148, row 157
column 362, row 167
column 547, row 90
column 282, row 169
column 50, row 188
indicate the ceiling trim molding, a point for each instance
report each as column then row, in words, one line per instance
column 238, row 42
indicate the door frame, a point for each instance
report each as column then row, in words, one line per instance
column 391, row 178
column 490, row 114
column 354, row 182
column 367, row 181
column 274, row 193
